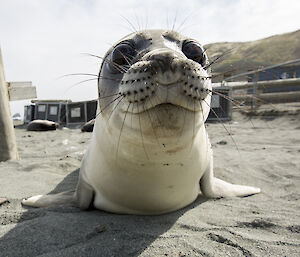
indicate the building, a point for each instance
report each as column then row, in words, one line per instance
column 64, row 112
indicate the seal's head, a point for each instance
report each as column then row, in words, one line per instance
column 156, row 80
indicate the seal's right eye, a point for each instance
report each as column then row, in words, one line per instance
column 121, row 56
column 194, row 51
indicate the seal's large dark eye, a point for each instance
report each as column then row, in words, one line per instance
column 194, row 51
column 122, row 55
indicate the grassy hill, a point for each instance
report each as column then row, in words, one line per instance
column 244, row 56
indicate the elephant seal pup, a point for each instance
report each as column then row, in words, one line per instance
column 88, row 126
column 41, row 125
column 149, row 152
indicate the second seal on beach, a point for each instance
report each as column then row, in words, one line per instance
column 149, row 152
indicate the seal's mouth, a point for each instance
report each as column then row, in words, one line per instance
column 167, row 107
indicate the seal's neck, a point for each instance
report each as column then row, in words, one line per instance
column 134, row 146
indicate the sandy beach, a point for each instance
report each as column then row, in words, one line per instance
column 263, row 152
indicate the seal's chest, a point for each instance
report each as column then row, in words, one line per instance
column 149, row 190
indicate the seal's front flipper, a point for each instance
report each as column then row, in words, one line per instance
column 84, row 194
column 67, row 197
column 81, row 198
column 214, row 188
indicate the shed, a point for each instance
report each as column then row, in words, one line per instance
column 221, row 107
column 53, row 110
column 29, row 113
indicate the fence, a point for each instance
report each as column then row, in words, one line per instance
column 271, row 91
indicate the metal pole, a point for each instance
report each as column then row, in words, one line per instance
column 8, row 145
column 254, row 93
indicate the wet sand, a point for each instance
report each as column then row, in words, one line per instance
column 263, row 154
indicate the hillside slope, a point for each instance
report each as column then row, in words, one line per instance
column 244, row 56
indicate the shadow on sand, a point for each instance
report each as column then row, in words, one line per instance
column 67, row 231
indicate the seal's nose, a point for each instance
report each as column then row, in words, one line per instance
column 163, row 62
column 164, row 65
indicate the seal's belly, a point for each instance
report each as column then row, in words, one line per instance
column 147, row 192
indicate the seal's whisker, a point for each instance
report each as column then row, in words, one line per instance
column 119, row 139
column 194, row 124
column 217, row 59
column 157, row 117
column 221, row 74
column 127, row 58
column 89, row 74
column 120, row 68
column 184, row 116
column 234, row 102
column 94, row 55
column 129, row 23
column 167, row 20
column 79, row 74
column 149, row 116
column 193, row 127
column 207, row 145
column 200, row 105
column 108, row 78
column 146, row 27
column 134, row 102
column 175, row 20
column 142, row 137
column 219, row 120
column 99, row 98
column 137, row 21
column 102, row 110
column 183, row 23
column 114, row 108
column 78, row 83
column 83, row 81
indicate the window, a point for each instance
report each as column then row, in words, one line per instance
column 75, row 112
column 53, row 110
column 215, row 101
column 42, row 108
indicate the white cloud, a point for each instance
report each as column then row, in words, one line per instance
column 42, row 40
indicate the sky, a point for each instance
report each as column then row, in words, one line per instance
column 43, row 40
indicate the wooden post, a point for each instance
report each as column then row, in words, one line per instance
column 8, row 145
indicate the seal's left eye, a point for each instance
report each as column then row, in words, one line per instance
column 123, row 54
column 194, row 51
